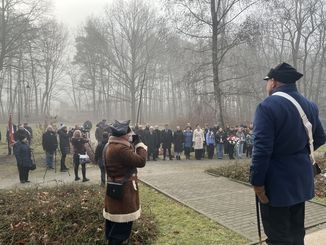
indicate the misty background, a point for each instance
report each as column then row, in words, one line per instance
column 178, row 61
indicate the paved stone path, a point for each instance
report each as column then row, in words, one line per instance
column 229, row 203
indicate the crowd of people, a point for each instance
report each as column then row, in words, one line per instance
column 233, row 141
column 179, row 144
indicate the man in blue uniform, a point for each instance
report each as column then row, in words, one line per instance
column 281, row 170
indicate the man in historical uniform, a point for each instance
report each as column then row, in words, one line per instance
column 281, row 170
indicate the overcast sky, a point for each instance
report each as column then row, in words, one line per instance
column 74, row 12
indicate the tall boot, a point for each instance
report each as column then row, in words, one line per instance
column 84, row 173
column 76, row 171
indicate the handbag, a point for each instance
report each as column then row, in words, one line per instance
column 308, row 127
column 84, row 158
column 115, row 189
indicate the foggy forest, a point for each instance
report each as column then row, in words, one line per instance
column 186, row 60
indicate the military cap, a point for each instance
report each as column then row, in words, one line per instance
column 284, row 73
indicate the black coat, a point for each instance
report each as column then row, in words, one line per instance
column 23, row 154
column 220, row 137
column 178, row 141
column 49, row 142
column 21, row 134
column 79, row 145
column 146, row 136
column 64, row 141
column 152, row 142
column 99, row 152
column 157, row 133
column 166, row 138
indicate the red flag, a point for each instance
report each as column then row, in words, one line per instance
column 10, row 131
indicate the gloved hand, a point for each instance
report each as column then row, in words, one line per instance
column 261, row 194
column 136, row 139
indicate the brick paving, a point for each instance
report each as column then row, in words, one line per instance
column 229, row 203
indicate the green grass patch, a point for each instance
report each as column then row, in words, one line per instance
column 241, row 172
column 321, row 200
column 178, row 224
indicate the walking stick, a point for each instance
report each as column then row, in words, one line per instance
column 258, row 220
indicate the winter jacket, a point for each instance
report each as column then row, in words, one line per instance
column 210, row 138
column 187, row 139
column 249, row 139
column 23, row 155
column 178, row 141
column 21, row 134
column 64, row 142
column 166, row 138
column 79, row 145
column 120, row 161
column 280, row 160
column 152, row 142
column 49, row 142
column 220, row 137
column 198, row 138
column 99, row 152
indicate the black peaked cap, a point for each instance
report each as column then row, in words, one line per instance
column 284, row 73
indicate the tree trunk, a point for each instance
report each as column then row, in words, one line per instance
column 216, row 83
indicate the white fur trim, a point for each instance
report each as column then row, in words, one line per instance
column 122, row 218
column 134, row 184
column 142, row 145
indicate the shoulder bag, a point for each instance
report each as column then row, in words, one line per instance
column 308, row 128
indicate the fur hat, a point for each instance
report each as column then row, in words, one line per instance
column 120, row 128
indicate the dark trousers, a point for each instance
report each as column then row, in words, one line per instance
column 204, row 150
column 63, row 161
column 116, row 233
column 210, row 151
column 151, row 153
column 76, row 166
column 249, row 151
column 102, row 169
column 157, row 151
column 9, row 149
column 23, row 173
column 198, row 154
column 226, row 147
column 187, row 152
column 164, row 152
column 231, row 151
column 284, row 225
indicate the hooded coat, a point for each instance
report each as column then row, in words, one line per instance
column 122, row 160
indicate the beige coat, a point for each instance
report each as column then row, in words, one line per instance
column 198, row 138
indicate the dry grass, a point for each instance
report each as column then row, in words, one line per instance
column 69, row 214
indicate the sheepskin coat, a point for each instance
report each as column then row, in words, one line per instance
column 122, row 159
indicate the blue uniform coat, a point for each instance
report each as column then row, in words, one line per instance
column 280, row 158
